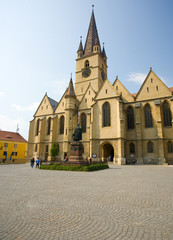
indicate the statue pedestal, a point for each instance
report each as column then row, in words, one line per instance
column 76, row 154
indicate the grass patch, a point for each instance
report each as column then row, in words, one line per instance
column 88, row 168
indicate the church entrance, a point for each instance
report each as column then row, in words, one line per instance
column 107, row 152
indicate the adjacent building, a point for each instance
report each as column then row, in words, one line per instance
column 13, row 148
column 116, row 125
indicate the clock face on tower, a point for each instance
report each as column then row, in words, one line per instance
column 86, row 72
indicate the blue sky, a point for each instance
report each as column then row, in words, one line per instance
column 39, row 40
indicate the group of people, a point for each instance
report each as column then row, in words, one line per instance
column 32, row 161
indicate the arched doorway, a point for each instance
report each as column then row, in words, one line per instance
column 107, row 152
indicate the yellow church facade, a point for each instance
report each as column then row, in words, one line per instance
column 116, row 125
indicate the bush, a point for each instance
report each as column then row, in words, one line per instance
column 88, row 168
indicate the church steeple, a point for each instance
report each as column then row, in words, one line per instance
column 80, row 49
column 92, row 36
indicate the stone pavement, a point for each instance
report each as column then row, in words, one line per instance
column 123, row 202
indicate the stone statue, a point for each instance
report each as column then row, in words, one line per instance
column 77, row 135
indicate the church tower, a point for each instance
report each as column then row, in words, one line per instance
column 91, row 62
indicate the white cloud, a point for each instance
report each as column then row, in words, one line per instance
column 136, row 77
column 33, row 107
column 1, row 93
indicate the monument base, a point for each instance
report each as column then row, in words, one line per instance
column 76, row 154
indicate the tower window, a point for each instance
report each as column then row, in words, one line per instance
column 83, row 122
column 132, row 148
column 150, row 147
column 170, row 147
column 106, row 114
column 167, row 115
column 157, row 88
column 87, row 64
column 130, row 118
column 37, row 127
column 148, row 116
column 147, row 89
column 62, row 125
column 48, row 125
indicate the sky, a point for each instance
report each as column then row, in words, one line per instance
column 39, row 40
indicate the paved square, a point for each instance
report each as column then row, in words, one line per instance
column 123, row 202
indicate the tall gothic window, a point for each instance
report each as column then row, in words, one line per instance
column 106, row 114
column 130, row 118
column 132, row 148
column 48, row 125
column 150, row 147
column 148, row 116
column 62, row 125
column 37, row 127
column 167, row 115
column 83, row 122
column 170, row 147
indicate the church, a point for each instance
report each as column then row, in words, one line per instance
column 116, row 125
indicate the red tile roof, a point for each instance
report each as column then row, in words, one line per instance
column 11, row 136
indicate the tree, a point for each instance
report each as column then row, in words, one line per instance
column 54, row 150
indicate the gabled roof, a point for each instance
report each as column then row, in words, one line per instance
column 11, row 136
column 92, row 36
column 53, row 103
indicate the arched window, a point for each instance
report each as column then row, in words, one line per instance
column 132, row 148
column 106, row 114
column 48, row 125
column 130, row 118
column 62, row 125
column 170, row 147
column 148, row 116
column 83, row 122
column 150, row 147
column 167, row 115
column 87, row 64
column 37, row 127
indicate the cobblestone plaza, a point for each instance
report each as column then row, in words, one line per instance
column 123, row 202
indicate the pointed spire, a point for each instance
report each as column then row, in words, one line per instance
column 80, row 45
column 103, row 51
column 70, row 90
column 92, row 35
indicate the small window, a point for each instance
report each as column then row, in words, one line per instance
column 157, row 88
column 170, row 147
column 47, row 148
column 15, row 145
column 132, row 148
column 66, row 131
column 5, row 145
column 150, row 147
column 151, row 80
column 106, row 91
column 147, row 89
column 116, row 87
column 87, row 64
column 85, row 100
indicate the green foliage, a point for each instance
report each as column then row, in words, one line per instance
column 54, row 150
column 88, row 168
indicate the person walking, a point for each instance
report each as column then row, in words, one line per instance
column 37, row 163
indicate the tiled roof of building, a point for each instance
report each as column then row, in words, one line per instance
column 11, row 136
column 53, row 103
column 91, row 36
